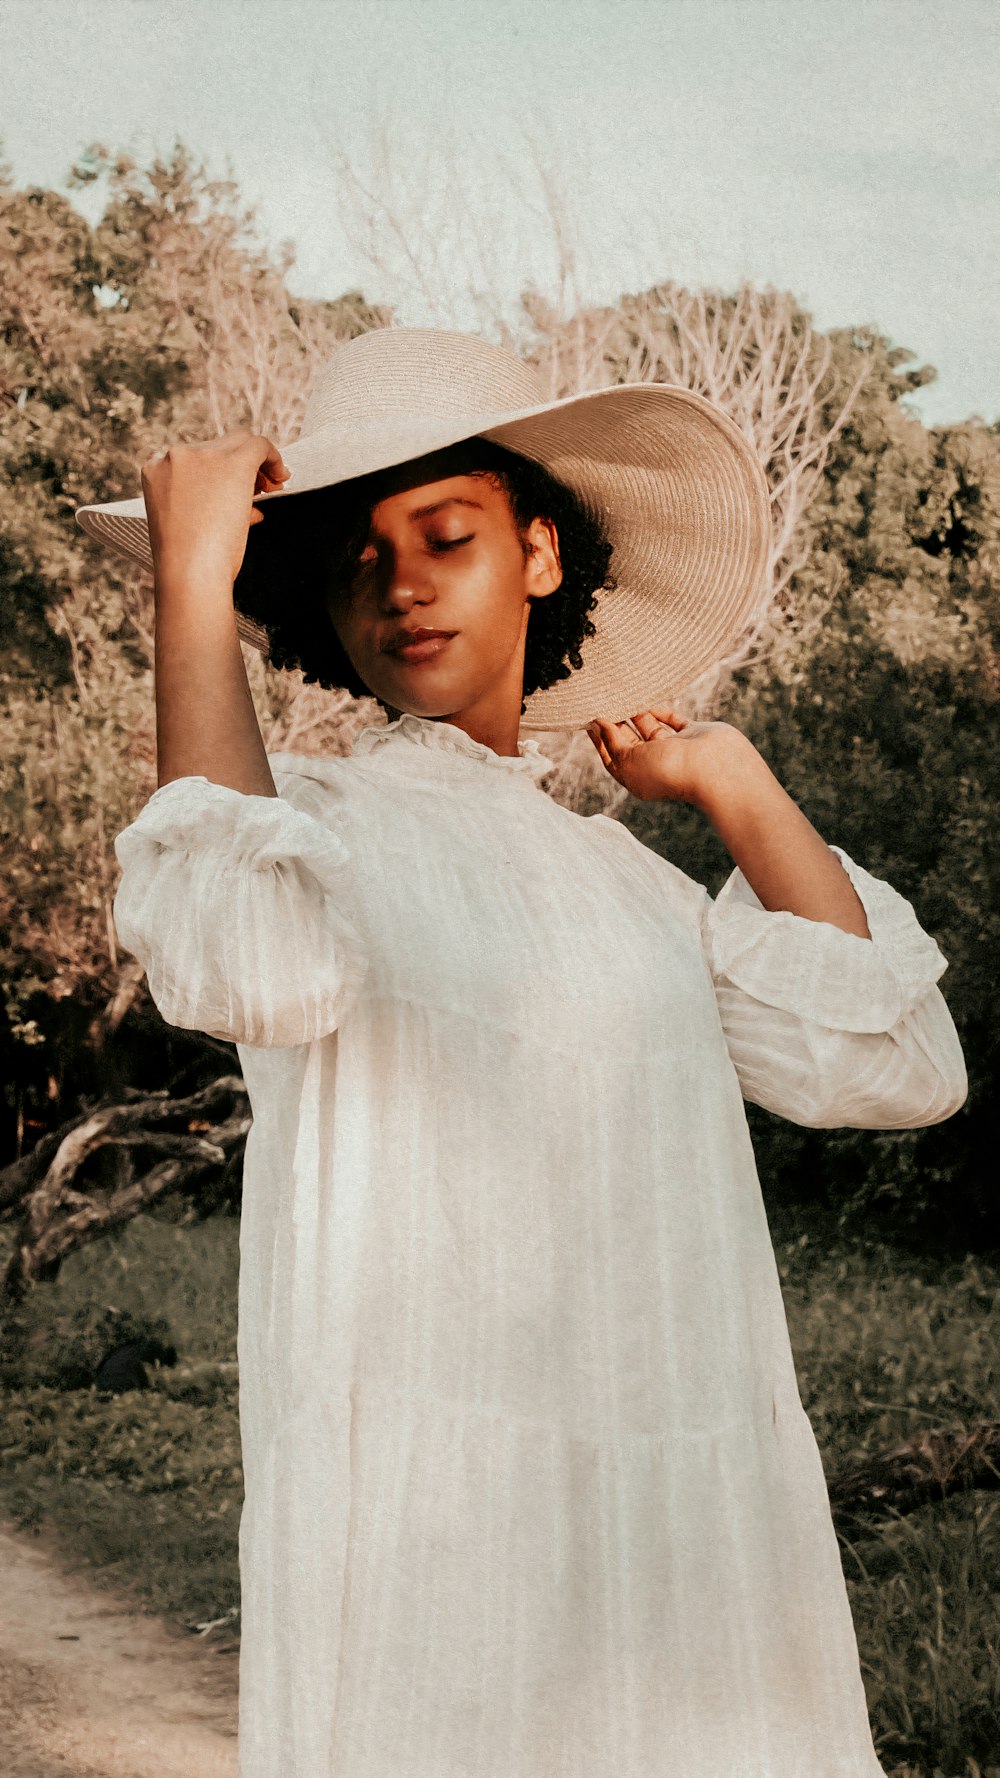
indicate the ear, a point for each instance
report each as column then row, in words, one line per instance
column 543, row 568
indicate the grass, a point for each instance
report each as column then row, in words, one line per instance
column 146, row 1487
column 884, row 1346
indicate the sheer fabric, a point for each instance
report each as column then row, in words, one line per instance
column 529, row 1488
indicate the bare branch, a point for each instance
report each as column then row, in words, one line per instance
column 59, row 1215
column 925, row 1470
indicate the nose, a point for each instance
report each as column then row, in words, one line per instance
column 401, row 579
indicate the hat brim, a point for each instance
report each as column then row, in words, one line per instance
column 681, row 491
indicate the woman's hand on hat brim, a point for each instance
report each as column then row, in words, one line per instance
column 661, row 755
column 199, row 502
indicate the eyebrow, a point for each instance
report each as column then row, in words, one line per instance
column 423, row 512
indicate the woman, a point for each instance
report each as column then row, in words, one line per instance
column 530, row 1490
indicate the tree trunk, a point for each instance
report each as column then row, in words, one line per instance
column 59, row 1212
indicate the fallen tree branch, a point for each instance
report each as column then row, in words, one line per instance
column 934, row 1463
column 18, row 1177
column 60, row 1212
column 128, row 986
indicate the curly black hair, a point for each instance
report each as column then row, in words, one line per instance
column 304, row 547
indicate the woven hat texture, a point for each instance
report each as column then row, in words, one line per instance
column 679, row 486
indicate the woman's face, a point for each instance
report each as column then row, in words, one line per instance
column 443, row 553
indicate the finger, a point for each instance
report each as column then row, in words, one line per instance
column 266, row 484
column 673, row 717
column 595, row 731
column 271, row 464
column 605, row 734
column 619, row 735
column 649, row 722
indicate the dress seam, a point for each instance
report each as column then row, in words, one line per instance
column 771, row 1421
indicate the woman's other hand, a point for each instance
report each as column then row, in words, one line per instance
column 199, row 501
column 670, row 757
column 717, row 768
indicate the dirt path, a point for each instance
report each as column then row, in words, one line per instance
column 92, row 1687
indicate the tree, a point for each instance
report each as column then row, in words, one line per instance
column 877, row 709
column 870, row 671
column 165, row 320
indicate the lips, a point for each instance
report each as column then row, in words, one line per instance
column 425, row 645
column 404, row 638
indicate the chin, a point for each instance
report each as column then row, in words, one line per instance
column 430, row 704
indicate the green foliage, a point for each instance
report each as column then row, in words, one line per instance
column 164, row 320
column 146, row 1439
column 873, row 695
column 66, row 1351
column 885, row 1347
column 74, row 755
column 882, row 724
column 148, row 1484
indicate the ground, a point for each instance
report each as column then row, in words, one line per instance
column 93, row 1686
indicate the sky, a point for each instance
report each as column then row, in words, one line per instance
column 845, row 150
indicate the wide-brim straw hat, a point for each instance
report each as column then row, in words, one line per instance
column 679, row 486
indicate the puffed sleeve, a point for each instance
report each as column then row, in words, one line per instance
column 827, row 1028
column 234, row 906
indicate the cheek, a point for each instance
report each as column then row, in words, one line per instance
column 496, row 591
column 342, row 611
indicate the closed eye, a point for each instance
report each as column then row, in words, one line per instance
column 439, row 544
column 436, row 545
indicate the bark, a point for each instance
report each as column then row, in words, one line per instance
column 127, row 989
column 930, row 1466
column 193, row 1141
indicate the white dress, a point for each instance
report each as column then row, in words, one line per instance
column 529, row 1488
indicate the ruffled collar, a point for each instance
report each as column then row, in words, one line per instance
column 447, row 739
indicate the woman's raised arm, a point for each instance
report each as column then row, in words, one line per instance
column 717, row 769
column 199, row 508
column 824, row 979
